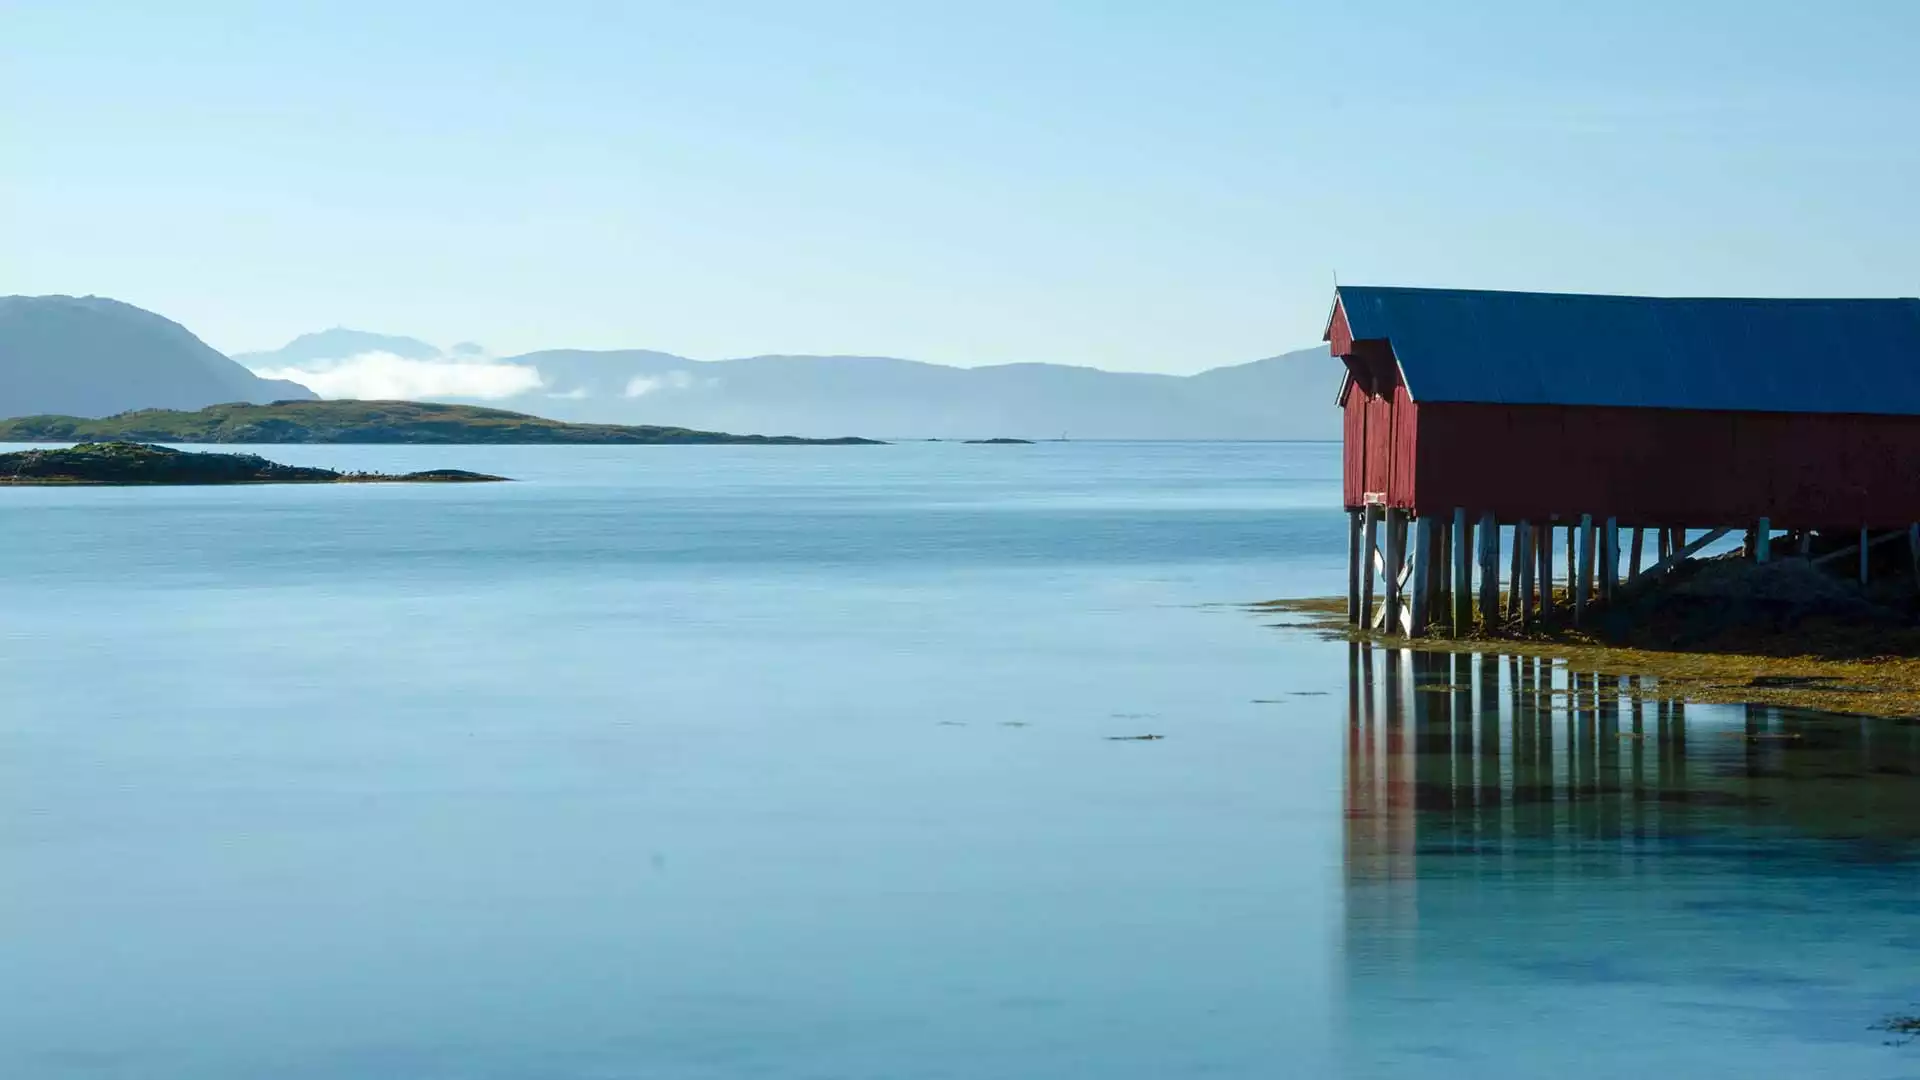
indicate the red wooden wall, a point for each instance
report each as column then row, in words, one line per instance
column 1668, row 466
column 1381, row 434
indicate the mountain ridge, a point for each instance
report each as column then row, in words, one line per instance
column 405, row 422
column 1285, row 396
column 93, row 355
column 1289, row 395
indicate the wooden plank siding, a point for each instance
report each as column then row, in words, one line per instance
column 1657, row 467
column 1381, row 429
column 1353, row 468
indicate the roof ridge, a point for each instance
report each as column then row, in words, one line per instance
column 1438, row 291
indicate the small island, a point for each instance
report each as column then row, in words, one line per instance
column 999, row 442
column 138, row 463
column 368, row 422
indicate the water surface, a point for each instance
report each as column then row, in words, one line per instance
column 801, row 762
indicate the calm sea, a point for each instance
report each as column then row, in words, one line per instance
column 736, row 762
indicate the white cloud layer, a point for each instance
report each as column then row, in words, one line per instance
column 384, row 376
column 642, row 385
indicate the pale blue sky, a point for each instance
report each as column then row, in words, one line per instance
column 1153, row 186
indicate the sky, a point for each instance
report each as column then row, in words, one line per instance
column 1133, row 185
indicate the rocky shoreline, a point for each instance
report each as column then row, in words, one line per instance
column 1723, row 630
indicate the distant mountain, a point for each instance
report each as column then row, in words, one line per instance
column 90, row 356
column 363, row 422
column 1282, row 397
column 340, row 343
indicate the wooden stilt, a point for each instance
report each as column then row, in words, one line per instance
column 1864, row 546
column 1440, row 573
column 1913, row 550
column 1396, row 561
column 1513, row 572
column 1543, row 545
column 1462, row 573
column 1763, row 541
column 1599, row 587
column 1583, row 586
column 1573, row 533
column 1523, row 561
column 1806, row 543
column 1371, row 520
column 1633, row 561
column 1425, row 543
column 1490, row 570
column 1612, row 576
column 1356, row 532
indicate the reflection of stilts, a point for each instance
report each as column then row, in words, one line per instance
column 1454, row 756
column 1606, row 754
column 1489, row 812
column 1466, row 792
column 1636, row 799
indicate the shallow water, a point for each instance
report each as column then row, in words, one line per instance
column 801, row 762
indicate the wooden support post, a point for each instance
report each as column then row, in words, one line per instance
column 1520, row 553
column 1425, row 545
column 1806, row 543
column 1440, row 573
column 1612, row 578
column 1864, row 547
column 1763, row 541
column 1913, row 550
column 1396, row 560
column 1584, row 585
column 1356, row 532
column 1523, row 560
column 1543, row 547
column 1633, row 562
column 1599, row 561
column 1573, row 533
column 1462, row 573
column 1489, row 571
column 1371, row 518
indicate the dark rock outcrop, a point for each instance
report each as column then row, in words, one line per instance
column 137, row 463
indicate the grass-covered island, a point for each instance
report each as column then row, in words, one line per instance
column 366, row 422
column 137, row 463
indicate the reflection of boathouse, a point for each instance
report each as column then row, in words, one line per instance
column 1470, row 765
column 1538, row 858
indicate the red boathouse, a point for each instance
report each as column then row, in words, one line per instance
column 1470, row 411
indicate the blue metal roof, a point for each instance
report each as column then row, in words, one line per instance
column 1837, row 356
